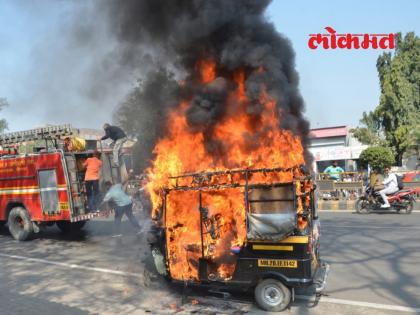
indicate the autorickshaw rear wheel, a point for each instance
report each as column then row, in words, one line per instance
column 272, row 295
column 20, row 224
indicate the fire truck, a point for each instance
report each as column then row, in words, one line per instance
column 45, row 186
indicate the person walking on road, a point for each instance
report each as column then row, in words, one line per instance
column 123, row 205
column 118, row 136
column 391, row 186
column 93, row 167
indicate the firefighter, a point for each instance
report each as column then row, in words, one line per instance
column 123, row 205
column 93, row 167
column 118, row 136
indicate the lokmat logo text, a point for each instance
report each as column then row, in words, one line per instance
column 332, row 40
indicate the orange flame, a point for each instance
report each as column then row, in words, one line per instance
column 245, row 140
column 207, row 70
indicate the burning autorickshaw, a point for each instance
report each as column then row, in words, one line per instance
column 243, row 228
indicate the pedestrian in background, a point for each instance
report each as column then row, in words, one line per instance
column 93, row 167
column 334, row 171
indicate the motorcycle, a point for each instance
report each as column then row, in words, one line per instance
column 372, row 201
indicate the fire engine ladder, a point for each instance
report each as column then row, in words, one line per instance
column 112, row 172
column 77, row 188
column 52, row 133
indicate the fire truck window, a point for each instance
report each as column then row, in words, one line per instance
column 49, row 193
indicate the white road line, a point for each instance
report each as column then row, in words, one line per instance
column 319, row 210
column 137, row 275
column 73, row 266
column 370, row 227
column 362, row 304
column 354, row 211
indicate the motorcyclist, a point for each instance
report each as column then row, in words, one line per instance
column 391, row 186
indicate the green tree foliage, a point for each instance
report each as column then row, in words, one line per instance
column 377, row 157
column 3, row 122
column 143, row 113
column 369, row 131
column 413, row 141
column 397, row 116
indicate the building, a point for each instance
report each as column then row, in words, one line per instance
column 335, row 144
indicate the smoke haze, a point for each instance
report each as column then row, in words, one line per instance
column 236, row 36
column 81, row 70
column 73, row 72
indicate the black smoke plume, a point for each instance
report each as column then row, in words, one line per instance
column 235, row 34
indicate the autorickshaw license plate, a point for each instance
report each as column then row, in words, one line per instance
column 277, row 263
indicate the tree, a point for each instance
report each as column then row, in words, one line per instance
column 3, row 122
column 370, row 130
column 377, row 157
column 398, row 112
column 413, row 141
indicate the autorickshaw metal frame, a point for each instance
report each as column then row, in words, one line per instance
column 294, row 260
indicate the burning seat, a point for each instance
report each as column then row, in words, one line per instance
column 271, row 215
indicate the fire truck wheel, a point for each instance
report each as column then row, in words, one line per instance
column 69, row 227
column 20, row 224
column 272, row 295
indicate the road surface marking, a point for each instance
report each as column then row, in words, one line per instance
column 137, row 275
column 370, row 227
column 74, row 266
column 361, row 303
column 354, row 211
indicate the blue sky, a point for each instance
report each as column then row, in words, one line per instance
column 337, row 85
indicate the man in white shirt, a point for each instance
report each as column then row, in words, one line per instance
column 391, row 186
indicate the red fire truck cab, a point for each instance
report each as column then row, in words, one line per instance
column 42, row 189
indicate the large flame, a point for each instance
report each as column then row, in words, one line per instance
column 248, row 141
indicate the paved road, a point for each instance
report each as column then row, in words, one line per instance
column 374, row 258
column 374, row 269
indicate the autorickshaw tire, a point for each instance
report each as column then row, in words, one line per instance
column 20, row 224
column 70, row 227
column 272, row 296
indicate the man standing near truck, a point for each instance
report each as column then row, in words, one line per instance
column 93, row 167
column 118, row 136
column 123, row 205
